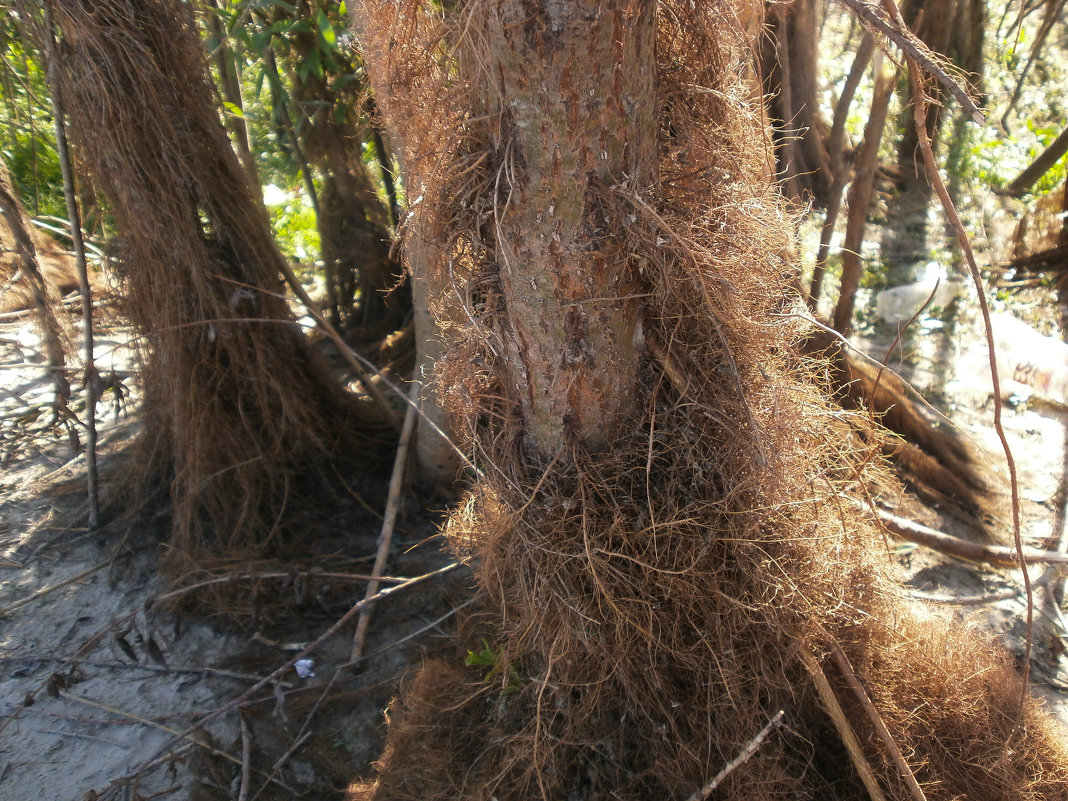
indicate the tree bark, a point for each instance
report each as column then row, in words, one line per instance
column 571, row 91
column 791, row 69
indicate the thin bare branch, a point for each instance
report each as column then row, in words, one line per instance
column 878, row 21
column 385, row 538
column 743, row 755
column 877, row 721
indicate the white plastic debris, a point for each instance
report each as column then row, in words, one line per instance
column 1028, row 359
column 274, row 196
column 901, row 303
column 305, row 668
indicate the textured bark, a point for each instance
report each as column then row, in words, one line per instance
column 575, row 87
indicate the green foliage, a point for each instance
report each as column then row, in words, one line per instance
column 1055, row 176
column 293, row 221
column 28, row 145
column 988, row 157
column 295, row 61
column 500, row 669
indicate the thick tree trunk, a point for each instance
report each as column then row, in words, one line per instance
column 241, row 417
column 565, row 134
column 650, row 533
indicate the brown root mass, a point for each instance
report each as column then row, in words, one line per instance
column 31, row 271
column 242, row 422
column 653, row 606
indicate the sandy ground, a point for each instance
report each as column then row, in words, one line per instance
column 96, row 681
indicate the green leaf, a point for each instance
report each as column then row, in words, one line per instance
column 234, row 110
column 487, row 657
column 326, row 29
column 292, row 9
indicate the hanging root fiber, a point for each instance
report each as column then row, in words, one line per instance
column 661, row 588
column 243, row 425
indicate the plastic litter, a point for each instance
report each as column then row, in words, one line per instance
column 1027, row 358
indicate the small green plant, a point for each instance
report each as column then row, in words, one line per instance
column 498, row 666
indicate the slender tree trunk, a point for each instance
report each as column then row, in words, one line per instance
column 353, row 222
column 859, row 200
column 434, row 302
column 790, row 61
column 933, row 22
column 230, row 79
column 838, row 168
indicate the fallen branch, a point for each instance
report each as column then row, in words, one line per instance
column 964, row 600
column 347, row 353
column 750, row 749
column 1000, row 555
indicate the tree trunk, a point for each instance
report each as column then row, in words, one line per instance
column 436, row 303
column 570, row 343
column 658, row 531
column 933, row 22
column 241, row 420
column 353, row 222
column 790, row 64
column 859, row 201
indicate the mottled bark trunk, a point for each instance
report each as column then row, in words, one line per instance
column 572, row 104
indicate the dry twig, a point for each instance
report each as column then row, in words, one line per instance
column 41, row 593
column 385, row 538
column 879, row 23
column 743, row 755
column 877, row 721
column 92, row 378
column 246, row 759
column 920, row 112
column 845, row 731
